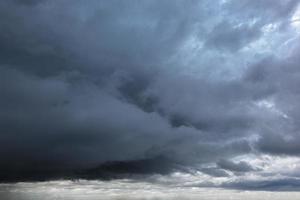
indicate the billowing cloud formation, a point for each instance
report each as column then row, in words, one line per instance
column 196, row 84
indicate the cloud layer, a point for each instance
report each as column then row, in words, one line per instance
column 201, row 85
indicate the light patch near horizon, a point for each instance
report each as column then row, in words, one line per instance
column 126, row 189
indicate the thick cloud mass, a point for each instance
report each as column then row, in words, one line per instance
column 148, row 86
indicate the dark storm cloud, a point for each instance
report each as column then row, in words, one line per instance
column 83, row 84
column 155, row 165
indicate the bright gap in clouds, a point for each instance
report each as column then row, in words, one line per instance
column 295, row 20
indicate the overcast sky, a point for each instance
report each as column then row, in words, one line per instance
column 209, row 88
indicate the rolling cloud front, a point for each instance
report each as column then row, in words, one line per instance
column 202, row 92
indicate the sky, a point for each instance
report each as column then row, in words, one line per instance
column 197, row 91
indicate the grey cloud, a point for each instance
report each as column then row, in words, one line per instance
column 288, row 184
column 83, row 84
column 278, row 145
column 283, row 76
column 215, row 172
column 235, row 167
column 28, row 2
column 264, row 11
column 226, row 36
